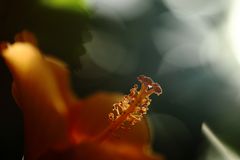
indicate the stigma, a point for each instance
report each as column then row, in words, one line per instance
column 134, row 105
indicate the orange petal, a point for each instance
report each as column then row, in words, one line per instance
column 91, row 120
column 42, row 90
column 90, row 151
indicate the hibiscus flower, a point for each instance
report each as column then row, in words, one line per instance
column 60, row 126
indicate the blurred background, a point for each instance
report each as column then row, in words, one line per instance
column 191, row 47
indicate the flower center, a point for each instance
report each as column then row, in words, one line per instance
column 131, row 108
